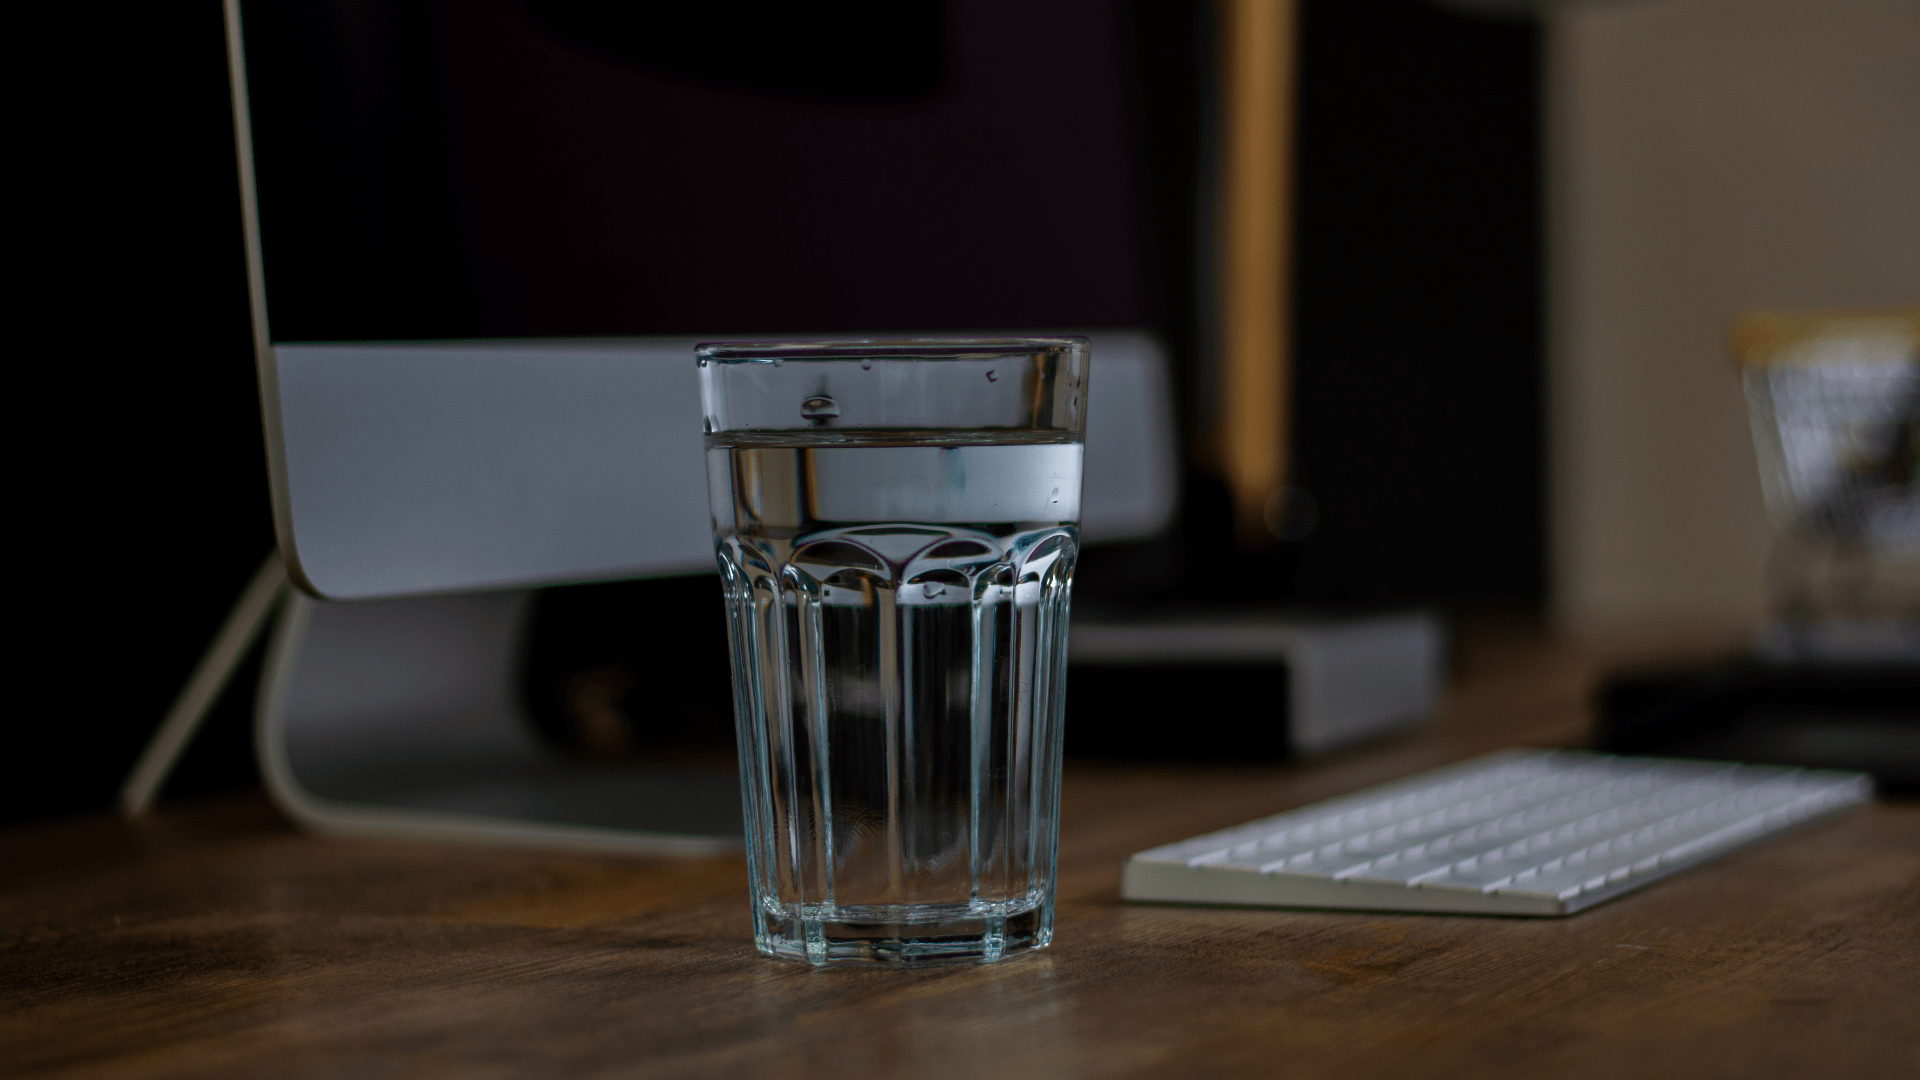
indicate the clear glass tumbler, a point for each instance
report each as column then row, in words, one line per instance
column 896, row 525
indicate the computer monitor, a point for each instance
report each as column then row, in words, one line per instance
column 482, row 242
column 483, row 239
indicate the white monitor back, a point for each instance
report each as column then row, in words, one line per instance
column 405, row 469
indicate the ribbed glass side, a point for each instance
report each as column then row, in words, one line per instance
column 898, row 689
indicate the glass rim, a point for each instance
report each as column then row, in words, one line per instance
column 919, row 348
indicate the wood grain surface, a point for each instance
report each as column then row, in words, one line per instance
column 214, row 941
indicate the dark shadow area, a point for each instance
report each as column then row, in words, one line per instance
column 1420, row 413
column 146, row 489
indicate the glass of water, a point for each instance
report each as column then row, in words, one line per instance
column 896, row 524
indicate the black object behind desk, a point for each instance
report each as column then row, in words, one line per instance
column 1178, row 712
column 1863, row 717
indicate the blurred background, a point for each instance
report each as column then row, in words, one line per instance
column 1511, row 242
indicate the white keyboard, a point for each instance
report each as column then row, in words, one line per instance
column 1516, row 833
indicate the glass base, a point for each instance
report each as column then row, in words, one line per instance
column 904, row 939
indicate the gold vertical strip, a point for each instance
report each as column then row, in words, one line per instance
column 1257, row 54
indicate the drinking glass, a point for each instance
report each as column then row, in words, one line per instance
column 896, row 524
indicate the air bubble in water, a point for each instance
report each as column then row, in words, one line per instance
column 819, row 408
column 866, row 365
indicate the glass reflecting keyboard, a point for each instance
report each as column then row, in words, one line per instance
column 1516, row 833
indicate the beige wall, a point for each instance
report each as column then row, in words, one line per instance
column 1707, row 157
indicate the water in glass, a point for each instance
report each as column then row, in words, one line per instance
column 898, row 608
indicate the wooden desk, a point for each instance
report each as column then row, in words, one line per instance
column 216, row 941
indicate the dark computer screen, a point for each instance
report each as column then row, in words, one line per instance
column 531, row 168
